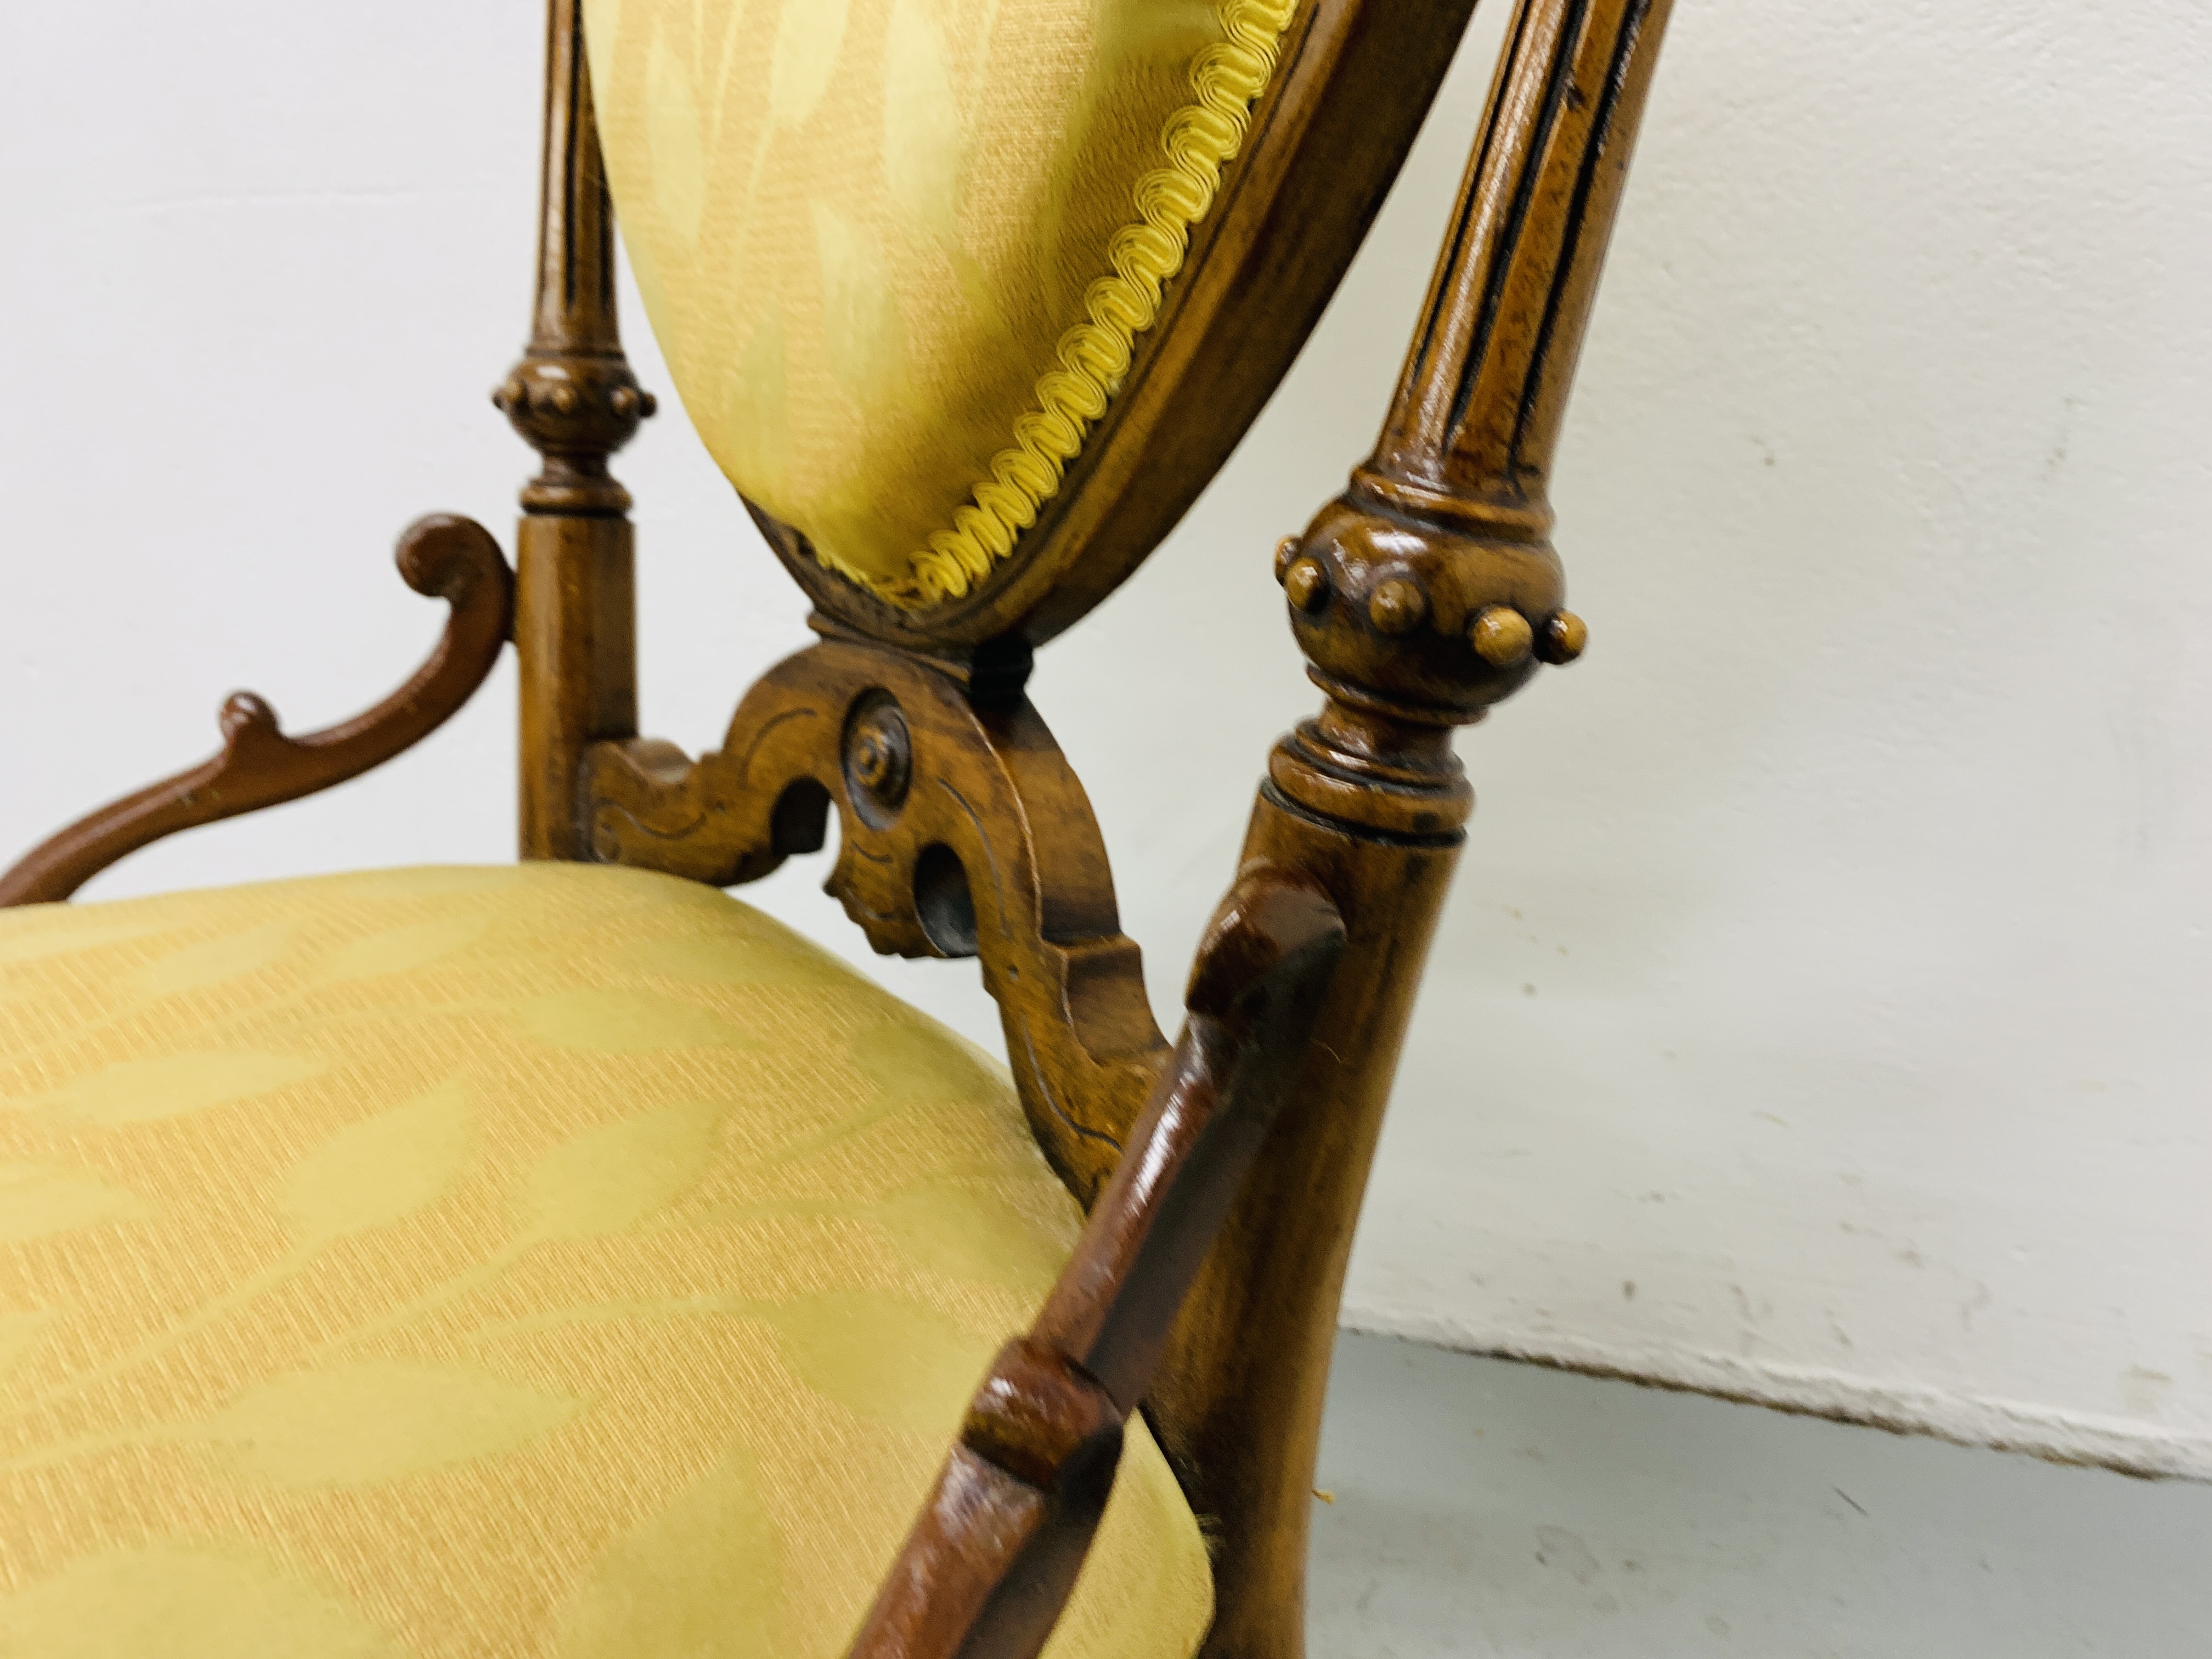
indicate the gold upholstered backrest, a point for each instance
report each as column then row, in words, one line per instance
column 916, row 264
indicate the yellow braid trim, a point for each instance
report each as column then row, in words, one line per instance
column 1200, row 140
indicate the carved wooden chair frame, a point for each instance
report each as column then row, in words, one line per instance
column 1223, row 1174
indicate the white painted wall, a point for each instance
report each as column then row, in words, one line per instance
column 1829, row 962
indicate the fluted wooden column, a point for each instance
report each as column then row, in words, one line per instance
column 1427, row 592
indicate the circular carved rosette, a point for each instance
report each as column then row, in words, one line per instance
column 878, row 758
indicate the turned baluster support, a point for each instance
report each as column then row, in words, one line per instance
column 574, row 400
column 1426, row 592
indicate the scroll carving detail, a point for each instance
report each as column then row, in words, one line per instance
column 963, row 832
column 449, row 558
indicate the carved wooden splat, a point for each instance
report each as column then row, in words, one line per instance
column 963, row 832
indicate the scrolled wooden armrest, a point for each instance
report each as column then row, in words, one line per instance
column 995, row 1553
column 445, row 557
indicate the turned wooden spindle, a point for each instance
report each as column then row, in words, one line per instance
column 1424, row 594
column 573, row 398
column 1449, row 522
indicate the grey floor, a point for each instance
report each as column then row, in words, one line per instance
column 1503, row 1512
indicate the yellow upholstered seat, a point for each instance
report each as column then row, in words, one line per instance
column 554, row 1260
column 895, row 252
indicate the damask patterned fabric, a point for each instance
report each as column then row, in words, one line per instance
column 549, row 1260
column 896, row 251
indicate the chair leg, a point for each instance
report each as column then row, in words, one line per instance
column 1237, row 1405
column 1426, row 592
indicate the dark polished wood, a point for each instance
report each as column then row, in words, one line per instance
column 574, row 400
column 444, row 557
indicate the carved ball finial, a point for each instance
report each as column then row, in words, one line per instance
column 1427, row 618
column 575, row 410
column 1501, row 637
column 1564, row 638
column 1307, row 584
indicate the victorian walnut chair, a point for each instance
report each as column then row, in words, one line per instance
column 567, row 1259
